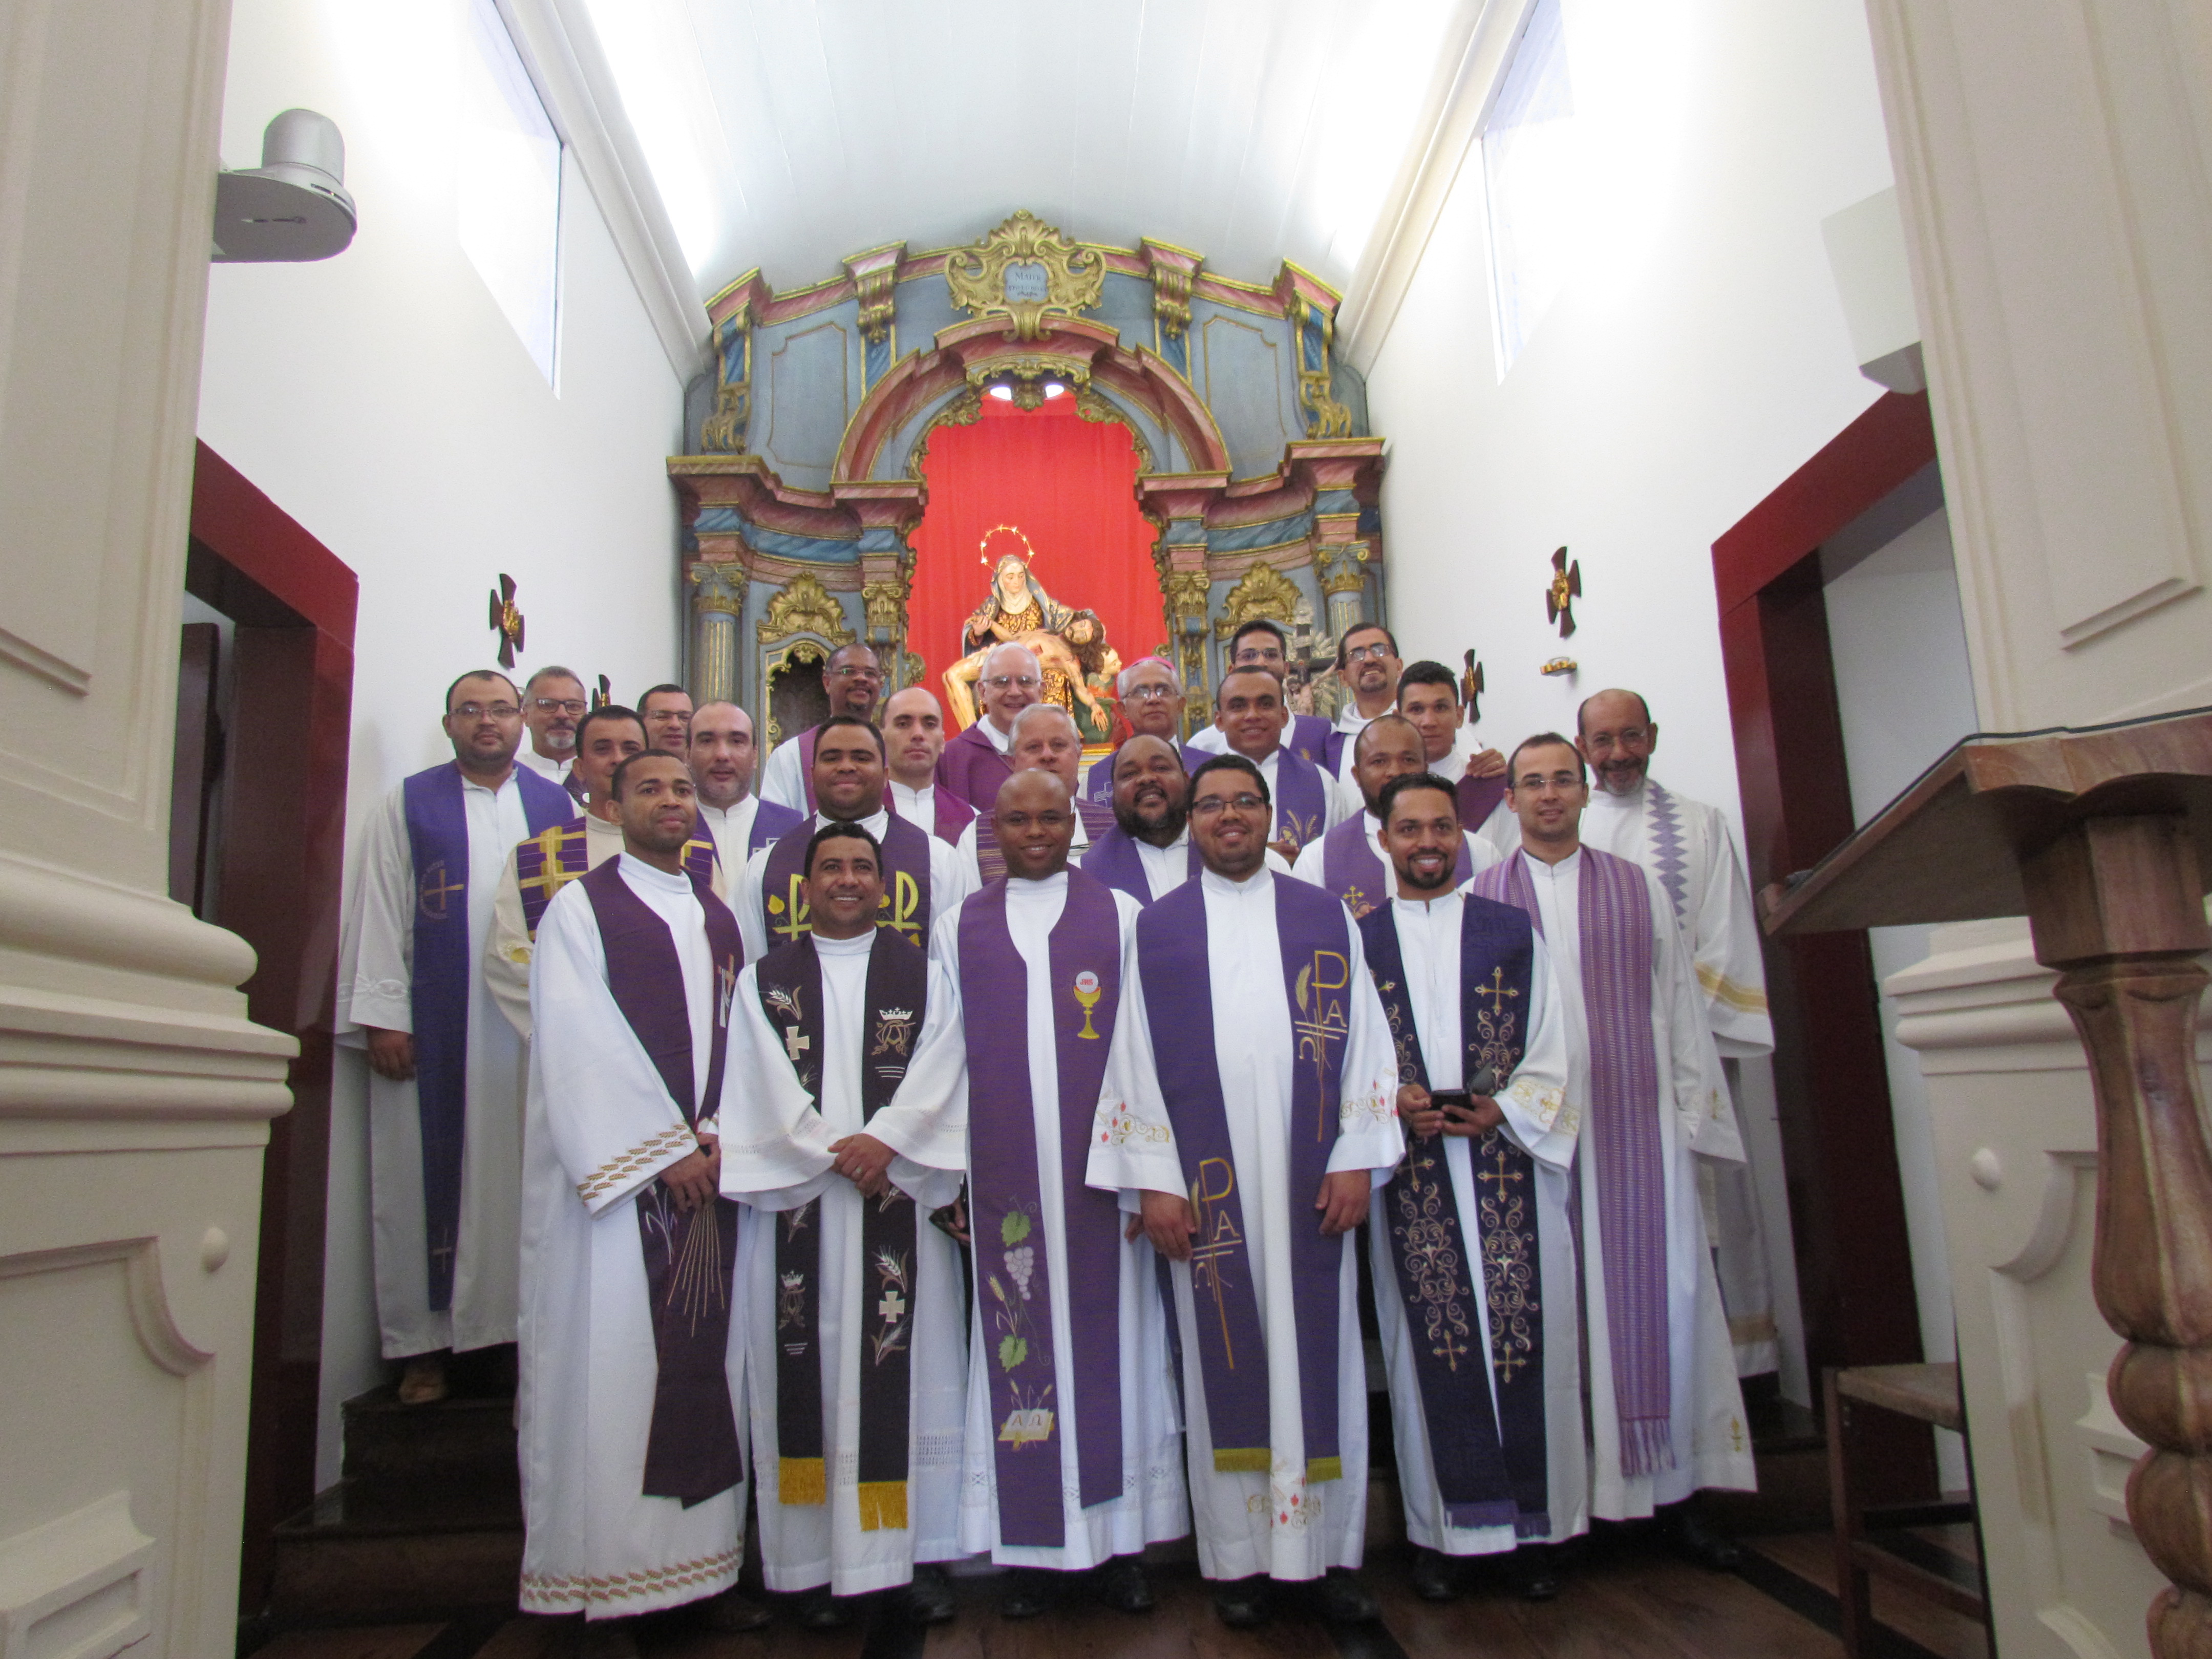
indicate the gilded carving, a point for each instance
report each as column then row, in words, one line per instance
column 804, row 606
column 1264, row 592
column 1343, row 573
column 722, row 587
column 1025, row 270
column 886, row 608
column 875, row 279
column 1092, row 407
column 1325, row 416
column 1185, row 592
column 964, row 411
column 723, row 431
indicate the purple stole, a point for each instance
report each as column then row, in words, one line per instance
column 1479, row 798
column 1174, row 963
column 1492, row 1467
column 771, row 822
column 1351, row 869
column 1301, row 797
column 991, row 860
column 574, row 785
column 789, row 978
column 444, row 971
column 1099, row 785
column 906, row 881
column 691, row 1451
column 806, row 764
column 1113, row 857
column 1332, row 751
column 1622, row 1130
column 546, row 863
column 699, row 857
column 1308, row 738
column 1005, row 1185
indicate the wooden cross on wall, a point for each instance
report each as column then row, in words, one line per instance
column 506, row 620
column 1566, row 586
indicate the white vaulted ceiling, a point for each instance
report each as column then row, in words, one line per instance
column 787, row 135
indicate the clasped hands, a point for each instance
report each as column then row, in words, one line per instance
column 1424, row 1117
column 1169, row 1221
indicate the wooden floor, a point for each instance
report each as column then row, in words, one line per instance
column 1626, row 1599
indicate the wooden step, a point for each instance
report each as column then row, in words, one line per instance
column 372, row 1553
column 459, row 1446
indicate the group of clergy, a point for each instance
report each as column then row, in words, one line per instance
column 941, row 1155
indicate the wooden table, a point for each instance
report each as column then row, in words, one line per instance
column 2102, row 838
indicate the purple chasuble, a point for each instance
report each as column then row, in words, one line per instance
column 1622, row 1130
column 906, row 904
column 546, row 863
column 953, row 816
column 991, row 859
column 1014, row 1288
column 443, row 973
column 1178, row 971
column 973, row 768
column 1484, row 1422
column 1351, row 869
column 771, row 822
column 691, row 1450
column 1113, row 857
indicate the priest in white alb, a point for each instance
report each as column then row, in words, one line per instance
column 632, row 1340
column 860, row 1350
column 1250, row 1108
column 1666, row 1412
column 1688, row 845
column 1074, row 1444
column 1471, row 1246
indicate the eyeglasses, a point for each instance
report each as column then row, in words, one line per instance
column 1557, row 781
column 1149, row 693
column 1374, row 653
column 558, row 705
column 1210, row 805
column 477, row 711
column 847, row 671
column 1628, row 737
column 1000, row 682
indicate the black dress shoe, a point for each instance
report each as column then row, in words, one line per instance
column 1124, row 1587
column 1345, row 1600
column 1242, row 1603
column 733, row 1611
column 929, row 1597
column 1436, row 1576
column 819, row 1610
column 1027, row 1594
column 1534, row 1572
column 1693, row 1538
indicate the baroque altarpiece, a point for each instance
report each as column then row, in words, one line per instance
column 808, row 470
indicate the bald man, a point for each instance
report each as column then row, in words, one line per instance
column 722, row 757
column 913, row 733
column 854, row 680
column 975, row 763
column 1045, row 739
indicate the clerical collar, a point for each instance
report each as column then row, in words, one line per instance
column 636, row 869
column 859, row 946
column 875, row 824
column 1572, row 861
column 1428, row 905
column 468, row 782
column 917, row 796
column 722, row 813
column 1001, row 741
column 1022, row 887
column 1221, row 883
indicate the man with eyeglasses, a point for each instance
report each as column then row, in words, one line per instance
column 975, row 763
column 1263, row 644
column 1149, row 851
column 1351, row 861
column 1367, row 663
column 1045, row 740
column 1688, row 846
column 1250, row 1106
column 853, row 680
column 1152, row 701
column 666, row 711
column 1665, row 1411
column 552, row 703
column 1249, row 713
column 446, row 1069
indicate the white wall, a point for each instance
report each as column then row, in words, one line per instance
column 1906, row 695
column 382, row 399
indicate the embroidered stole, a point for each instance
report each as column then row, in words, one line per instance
column 990, row 858
column 1351, row 869
column 1490, row 1454
column 443, row 972
column 1622, row 1130
column 906, row 882
column 1177, row 971
column 546, row 863
column 691, row 1451
column 1113, row 857
column 1006, row 1208
column 771, row 822
column 1301, row 799
column 790, row 982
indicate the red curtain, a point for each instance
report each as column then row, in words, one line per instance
column 1066, row 484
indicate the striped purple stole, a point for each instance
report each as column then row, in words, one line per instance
column 1351, row 869
column 691, row 1451
column 1622, row 1133
column 991, row 859
column 1015, row 1287
column 546, row 863
column 906, row 901
column 443, row 972
column 1315, row 936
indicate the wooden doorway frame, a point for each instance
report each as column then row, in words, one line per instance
column 292, row 605
column 1831, row 1083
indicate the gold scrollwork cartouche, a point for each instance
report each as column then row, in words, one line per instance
column 1052, row 274
column 804, row 606
column 1264, row 592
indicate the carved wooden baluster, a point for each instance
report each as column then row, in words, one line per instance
column 2117, row 905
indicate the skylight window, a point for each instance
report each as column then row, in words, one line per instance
column 508, row 192
column 1530, row 164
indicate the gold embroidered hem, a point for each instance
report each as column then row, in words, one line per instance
column 1119, row 1128
column 1241, row 1460
column 883, row 1505
column 618, row 1169
column 1719, row 987
column 799, row 1481
column 559, row 1593
column 1324, row 1469
column 1540, row 1103
column 1367, row 1109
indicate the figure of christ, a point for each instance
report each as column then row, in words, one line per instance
column 1665, row 1412
column 1069, row 660
column 632, row 1347
column 1074, row 1442
column 1249, row 1110
column 856, row 1309
column 1471, row 1254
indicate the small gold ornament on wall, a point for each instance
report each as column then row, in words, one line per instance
column 1560, row 597
column 506, row 620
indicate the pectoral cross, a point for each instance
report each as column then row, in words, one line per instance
column 1497, row 990
column 892, row 1307
column 795, row 1043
